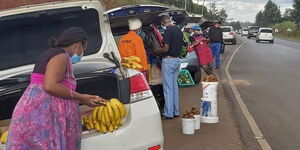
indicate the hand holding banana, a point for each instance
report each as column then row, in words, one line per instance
column 107, row 117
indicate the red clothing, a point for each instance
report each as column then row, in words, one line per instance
column 131, row 44
column 203, row 51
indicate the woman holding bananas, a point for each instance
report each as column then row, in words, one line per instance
column 47, row 115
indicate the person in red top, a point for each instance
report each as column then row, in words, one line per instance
column 199, row 44
column 131, row 44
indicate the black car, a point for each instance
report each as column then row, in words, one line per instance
column 252, row 31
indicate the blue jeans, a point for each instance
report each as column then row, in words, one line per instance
column 216, row 51
column 170, row 68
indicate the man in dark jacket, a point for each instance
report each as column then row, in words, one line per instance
column 170, row 66
column 216, row 38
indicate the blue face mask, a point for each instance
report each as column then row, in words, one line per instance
column 75, row 58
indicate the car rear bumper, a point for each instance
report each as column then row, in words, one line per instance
column 141, row 130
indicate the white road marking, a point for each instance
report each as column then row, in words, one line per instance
column 254, row 127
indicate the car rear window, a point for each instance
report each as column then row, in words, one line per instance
column 245, row 29
column 25, row 36
column 266, row 31
column 226, row 30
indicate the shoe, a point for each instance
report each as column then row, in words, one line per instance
column 176, row 116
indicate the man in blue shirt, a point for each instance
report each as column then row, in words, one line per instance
column 173, row 42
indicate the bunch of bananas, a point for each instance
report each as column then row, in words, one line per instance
column 4, row 137
column 132, row 62
column 106, row 118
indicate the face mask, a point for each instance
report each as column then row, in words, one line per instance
column 75, row 58
column 164, row 27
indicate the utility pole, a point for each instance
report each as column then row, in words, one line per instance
column 202, row 6
column 185, row 5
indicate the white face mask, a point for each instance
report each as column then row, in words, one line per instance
column 164, row 27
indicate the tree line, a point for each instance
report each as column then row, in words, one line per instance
column 271, row 14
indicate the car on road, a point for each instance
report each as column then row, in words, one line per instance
column 244, row 32
column 228, row 34
column 252, row 31
column 24, row 35
column 265, row 34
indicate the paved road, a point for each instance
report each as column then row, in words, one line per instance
column 268, row 79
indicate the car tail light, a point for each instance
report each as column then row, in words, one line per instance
column 157, row 147
column 139, row 88
column 230, row 33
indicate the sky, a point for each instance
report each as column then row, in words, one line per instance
column 245, row 10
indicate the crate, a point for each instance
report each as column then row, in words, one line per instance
column 185, row 72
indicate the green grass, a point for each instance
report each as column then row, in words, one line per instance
column 290, row 38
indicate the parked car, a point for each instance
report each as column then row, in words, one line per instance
column 228, row 34
column 24, row 35
column 244, row 32
column 252, row 31
column 265, row 34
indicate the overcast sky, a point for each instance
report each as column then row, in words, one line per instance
column 245, row 10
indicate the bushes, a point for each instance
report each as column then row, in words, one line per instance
column 282, row 29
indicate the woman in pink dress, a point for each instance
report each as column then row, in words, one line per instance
column 47, row 115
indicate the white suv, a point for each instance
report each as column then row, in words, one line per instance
column 265, row 34
column 228, row 34
column 24, row 35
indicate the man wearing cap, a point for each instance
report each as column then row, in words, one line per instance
column 131, row 44
column 173, row 42
column 216, row 38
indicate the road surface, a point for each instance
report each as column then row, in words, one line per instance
column 267, row 77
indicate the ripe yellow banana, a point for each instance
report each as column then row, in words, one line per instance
column 91, row 122
column 107, row 121
column 110, row 128
column 94, row 113
column 110, row 111
column 103, row 128
column 97, row 126
column 4, row 137
column 120, row 106
column 100, row 114
column 116, row 127
column 116, row 110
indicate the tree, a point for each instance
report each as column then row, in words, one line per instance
column 259, row 18
column 296, row 12
column 287, row 15
column 222, row 15
column 235, row 25
column 271, row 14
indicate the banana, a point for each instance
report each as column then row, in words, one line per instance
column 110, row 128
column 4, row 137
column 88, row 127
column 97, row 126
column 94, row 113
column 120, row 106
column 103, row 128
column 116, row 127
column 91, row 122
column 100, row 113
column 135, row 58
column 107, row 122
column 110, row 111
column 116, row 110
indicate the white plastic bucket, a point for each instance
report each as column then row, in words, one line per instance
column 209, row 111
column 197, row 121
column 188, row 126
column 210, row 90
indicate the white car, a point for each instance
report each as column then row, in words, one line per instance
column 244, row 32
column 24, row 35
column 265, row 34
column 228, row 34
